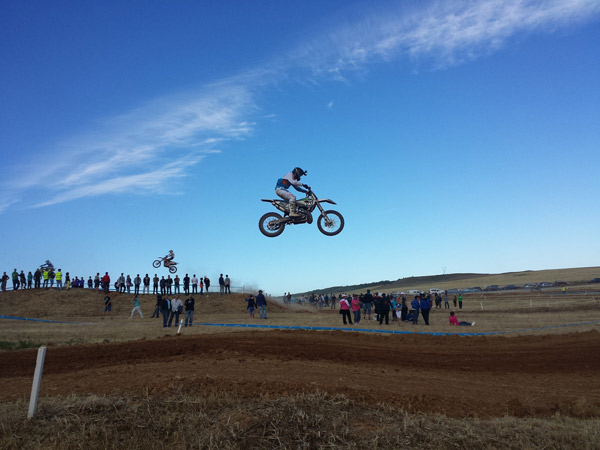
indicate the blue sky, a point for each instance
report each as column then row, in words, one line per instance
column 459, row 135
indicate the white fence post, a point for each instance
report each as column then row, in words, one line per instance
column 37, row 381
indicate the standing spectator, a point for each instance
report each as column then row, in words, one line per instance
column 107, row 305
column 460, row 299
column 128, row 283
column 227, row 285
column 136, row 284
column 155, row 282
column 15, row 280
column 4, row 281
column 382, row 309
column 146, row 289
column 121, row 283
column 221, row 284
column 201, row 280
column 425, row 306
column 46, row 275
column 51, row 275
column 159, row 300
column 194, row 284
column 367, row 304
column 37, row 279
column 186, row 284
column 206, row 283
column 189, row 311
column 29, row 280
column 163, row 285
column 106, row 283
column 415, row 304
column 23, row 279
column 403, row 310
column 446, row 304
column 176, row 309
column 251, row 304
column 454, row 301
column 356, row 309
column 261, row 302
column 90, row 283
column 68, row 280
column 165, row 308
column 454, row 321
column 345, row 309
column 97, row 281
column 177, row 281
column 169, row 283
column 393, row 307
column 136, row 307
column 59, row 283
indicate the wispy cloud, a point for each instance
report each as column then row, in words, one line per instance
column 445, row 33
column 134, row 152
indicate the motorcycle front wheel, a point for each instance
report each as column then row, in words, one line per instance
column 269, row 224
column 173, row 268
column 156, row 263
column 332, row 225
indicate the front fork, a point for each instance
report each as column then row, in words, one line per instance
column 327, row 219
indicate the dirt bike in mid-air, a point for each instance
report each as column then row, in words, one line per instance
column 329, row 222
column 172, row 265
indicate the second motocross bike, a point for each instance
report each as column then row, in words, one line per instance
column 172, row 265
column 329, row 222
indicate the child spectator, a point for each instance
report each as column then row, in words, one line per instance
column 454, row 321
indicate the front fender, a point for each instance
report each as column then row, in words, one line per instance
column 326, row 200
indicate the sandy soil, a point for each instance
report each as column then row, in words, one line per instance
column 457, row 376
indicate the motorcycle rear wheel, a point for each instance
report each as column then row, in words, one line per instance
column 173, row 268
column 269, row 224
column 334, row 225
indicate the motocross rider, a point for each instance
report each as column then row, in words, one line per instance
column 167, row 259
column 291, row 179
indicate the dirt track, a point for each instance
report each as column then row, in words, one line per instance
column 457, row 376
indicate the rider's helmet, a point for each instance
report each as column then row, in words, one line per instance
column 298, row 172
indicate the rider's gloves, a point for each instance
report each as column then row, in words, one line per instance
column 306, row 186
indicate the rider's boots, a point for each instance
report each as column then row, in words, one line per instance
column 293, row 212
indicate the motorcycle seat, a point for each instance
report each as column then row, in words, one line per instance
column 273, row 200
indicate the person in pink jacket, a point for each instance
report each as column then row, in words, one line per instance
column 356, row 309
column 454, row 321
column 345, row 309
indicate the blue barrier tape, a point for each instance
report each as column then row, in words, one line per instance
column 45, row 320
column 372, row 330
column 309, row 328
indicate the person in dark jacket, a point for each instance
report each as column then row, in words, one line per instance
column 261, row 302
column 382, row 309
column 425, row 305
column 251, row 304
column 159, row 300
column 165, row 309
column 415, row 306
column 189, row 310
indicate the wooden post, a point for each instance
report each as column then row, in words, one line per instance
column 37, row 381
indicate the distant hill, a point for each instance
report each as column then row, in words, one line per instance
column 463, row 280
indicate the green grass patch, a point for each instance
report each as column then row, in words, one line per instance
column 9, row 345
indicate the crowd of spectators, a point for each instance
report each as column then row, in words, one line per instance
column 50, row 278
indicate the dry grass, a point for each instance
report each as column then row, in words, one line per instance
column 184, row 418
column 576, row 275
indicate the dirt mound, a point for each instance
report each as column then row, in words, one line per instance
column 456, row 376
column 81, row 303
